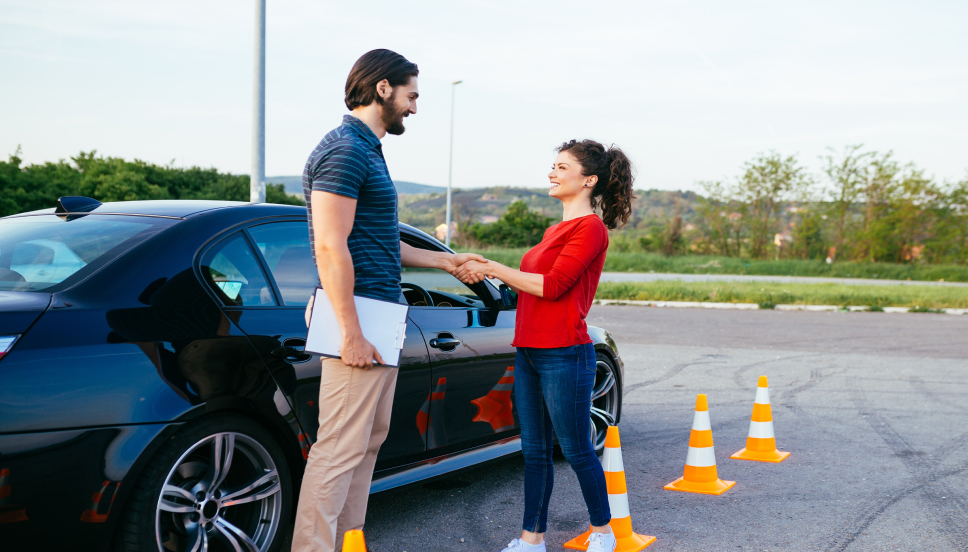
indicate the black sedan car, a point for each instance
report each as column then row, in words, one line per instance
column 154, row 390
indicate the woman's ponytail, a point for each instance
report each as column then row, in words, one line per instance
column 613, row 191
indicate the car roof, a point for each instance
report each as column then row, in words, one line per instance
column 178, row 208
column 183, row 208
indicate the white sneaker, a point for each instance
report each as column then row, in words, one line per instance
column 601, row 542
column 518, row 545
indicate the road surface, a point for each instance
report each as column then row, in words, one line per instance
column 871, row 406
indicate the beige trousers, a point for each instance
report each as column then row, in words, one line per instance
column 354, row 419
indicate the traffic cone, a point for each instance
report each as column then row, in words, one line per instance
column 91, row 515
column 700, row 475
column 618, row 501
column 430, row 418
column 353, row 541
column 304, row 445
column 8, row 512
column 761, row 443
column 495, row 407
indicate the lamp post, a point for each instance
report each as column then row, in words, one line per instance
column 257, row 178
column 450, row 170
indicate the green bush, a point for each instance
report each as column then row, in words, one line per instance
column 924, row 298
column 519, row 227
column 32, row 187
column 635, row 261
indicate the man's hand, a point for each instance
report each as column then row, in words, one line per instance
column 472, row 271
column 423, row 258
column 357, row 352
column 457, row 259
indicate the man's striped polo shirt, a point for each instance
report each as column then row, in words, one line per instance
column 349, row 162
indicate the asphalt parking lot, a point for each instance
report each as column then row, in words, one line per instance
column 872, row 407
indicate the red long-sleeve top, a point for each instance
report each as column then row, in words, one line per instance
column 570, row 256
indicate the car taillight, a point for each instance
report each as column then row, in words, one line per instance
column 6, row 343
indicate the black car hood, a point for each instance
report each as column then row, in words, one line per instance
column 19, row 309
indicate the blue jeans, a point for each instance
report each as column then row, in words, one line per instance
column 553, row 389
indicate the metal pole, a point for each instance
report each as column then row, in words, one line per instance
column 257, row 179
column 450, row 170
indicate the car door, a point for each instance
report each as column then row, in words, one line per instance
column 283, row 248
column 472, row 361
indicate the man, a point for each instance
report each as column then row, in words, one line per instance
column 352, row 207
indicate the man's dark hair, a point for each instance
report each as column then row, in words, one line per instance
column 373, row 67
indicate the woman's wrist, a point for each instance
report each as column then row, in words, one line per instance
column 491, row 268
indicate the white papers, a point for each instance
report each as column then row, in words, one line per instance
column 384, row 324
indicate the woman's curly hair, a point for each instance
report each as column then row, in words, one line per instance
column 613, row 191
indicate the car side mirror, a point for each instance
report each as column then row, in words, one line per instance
column 509, row 298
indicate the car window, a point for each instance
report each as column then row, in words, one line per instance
column 37, row 253
column 285, row 247
column 232, row 270
column 444, row 289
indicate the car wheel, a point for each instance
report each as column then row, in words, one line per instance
column 606, row 400
column 221, row 483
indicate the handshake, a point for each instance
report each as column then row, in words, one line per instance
column 472, row 268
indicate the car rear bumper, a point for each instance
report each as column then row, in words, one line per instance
column 65, row 490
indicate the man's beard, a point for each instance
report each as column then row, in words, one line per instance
column 393, row 119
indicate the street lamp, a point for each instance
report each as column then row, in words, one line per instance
column 450, row 170
column 257, row 178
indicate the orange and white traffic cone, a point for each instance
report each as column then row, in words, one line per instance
column 353, row 541
column 700, row 475
column 761, row 442
column 430, row 418
column 91, row 515
column 8, row 512
column 304, row 445
column 495, row 407
column 618, row 501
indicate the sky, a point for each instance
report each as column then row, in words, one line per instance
column 690, row 90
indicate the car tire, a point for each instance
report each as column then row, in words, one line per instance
column 606, row 399
column 249, row 503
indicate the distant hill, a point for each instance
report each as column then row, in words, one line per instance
column 426, row 211
column 423, row 206
column 293, row 185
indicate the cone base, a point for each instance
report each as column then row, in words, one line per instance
column 13, row 516
column 632, row 543
column 717, row 487
column 774, row 456
column 93, row 517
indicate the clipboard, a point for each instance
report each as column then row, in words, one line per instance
column 384, row 324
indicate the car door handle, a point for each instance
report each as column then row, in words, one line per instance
column 445, row 343
column 290, row 354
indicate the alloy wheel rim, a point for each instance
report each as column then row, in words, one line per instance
column 223, row 493
column 604, row 403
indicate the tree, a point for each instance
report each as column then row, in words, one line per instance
column 872, row 241
column 847, row 173
column 808, row 241
column 518, row 227
column 949, row 242
column 766, row 182
column 32, row 187
column 719, row 215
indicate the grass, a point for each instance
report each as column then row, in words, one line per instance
column 770, row 294
column 618, row 261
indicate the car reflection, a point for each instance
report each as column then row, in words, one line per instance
column 190, row 342
column 430, row 418
column 495, row 408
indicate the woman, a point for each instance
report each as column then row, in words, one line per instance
column 554, row 371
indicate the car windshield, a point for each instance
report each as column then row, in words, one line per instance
column 40, row 252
